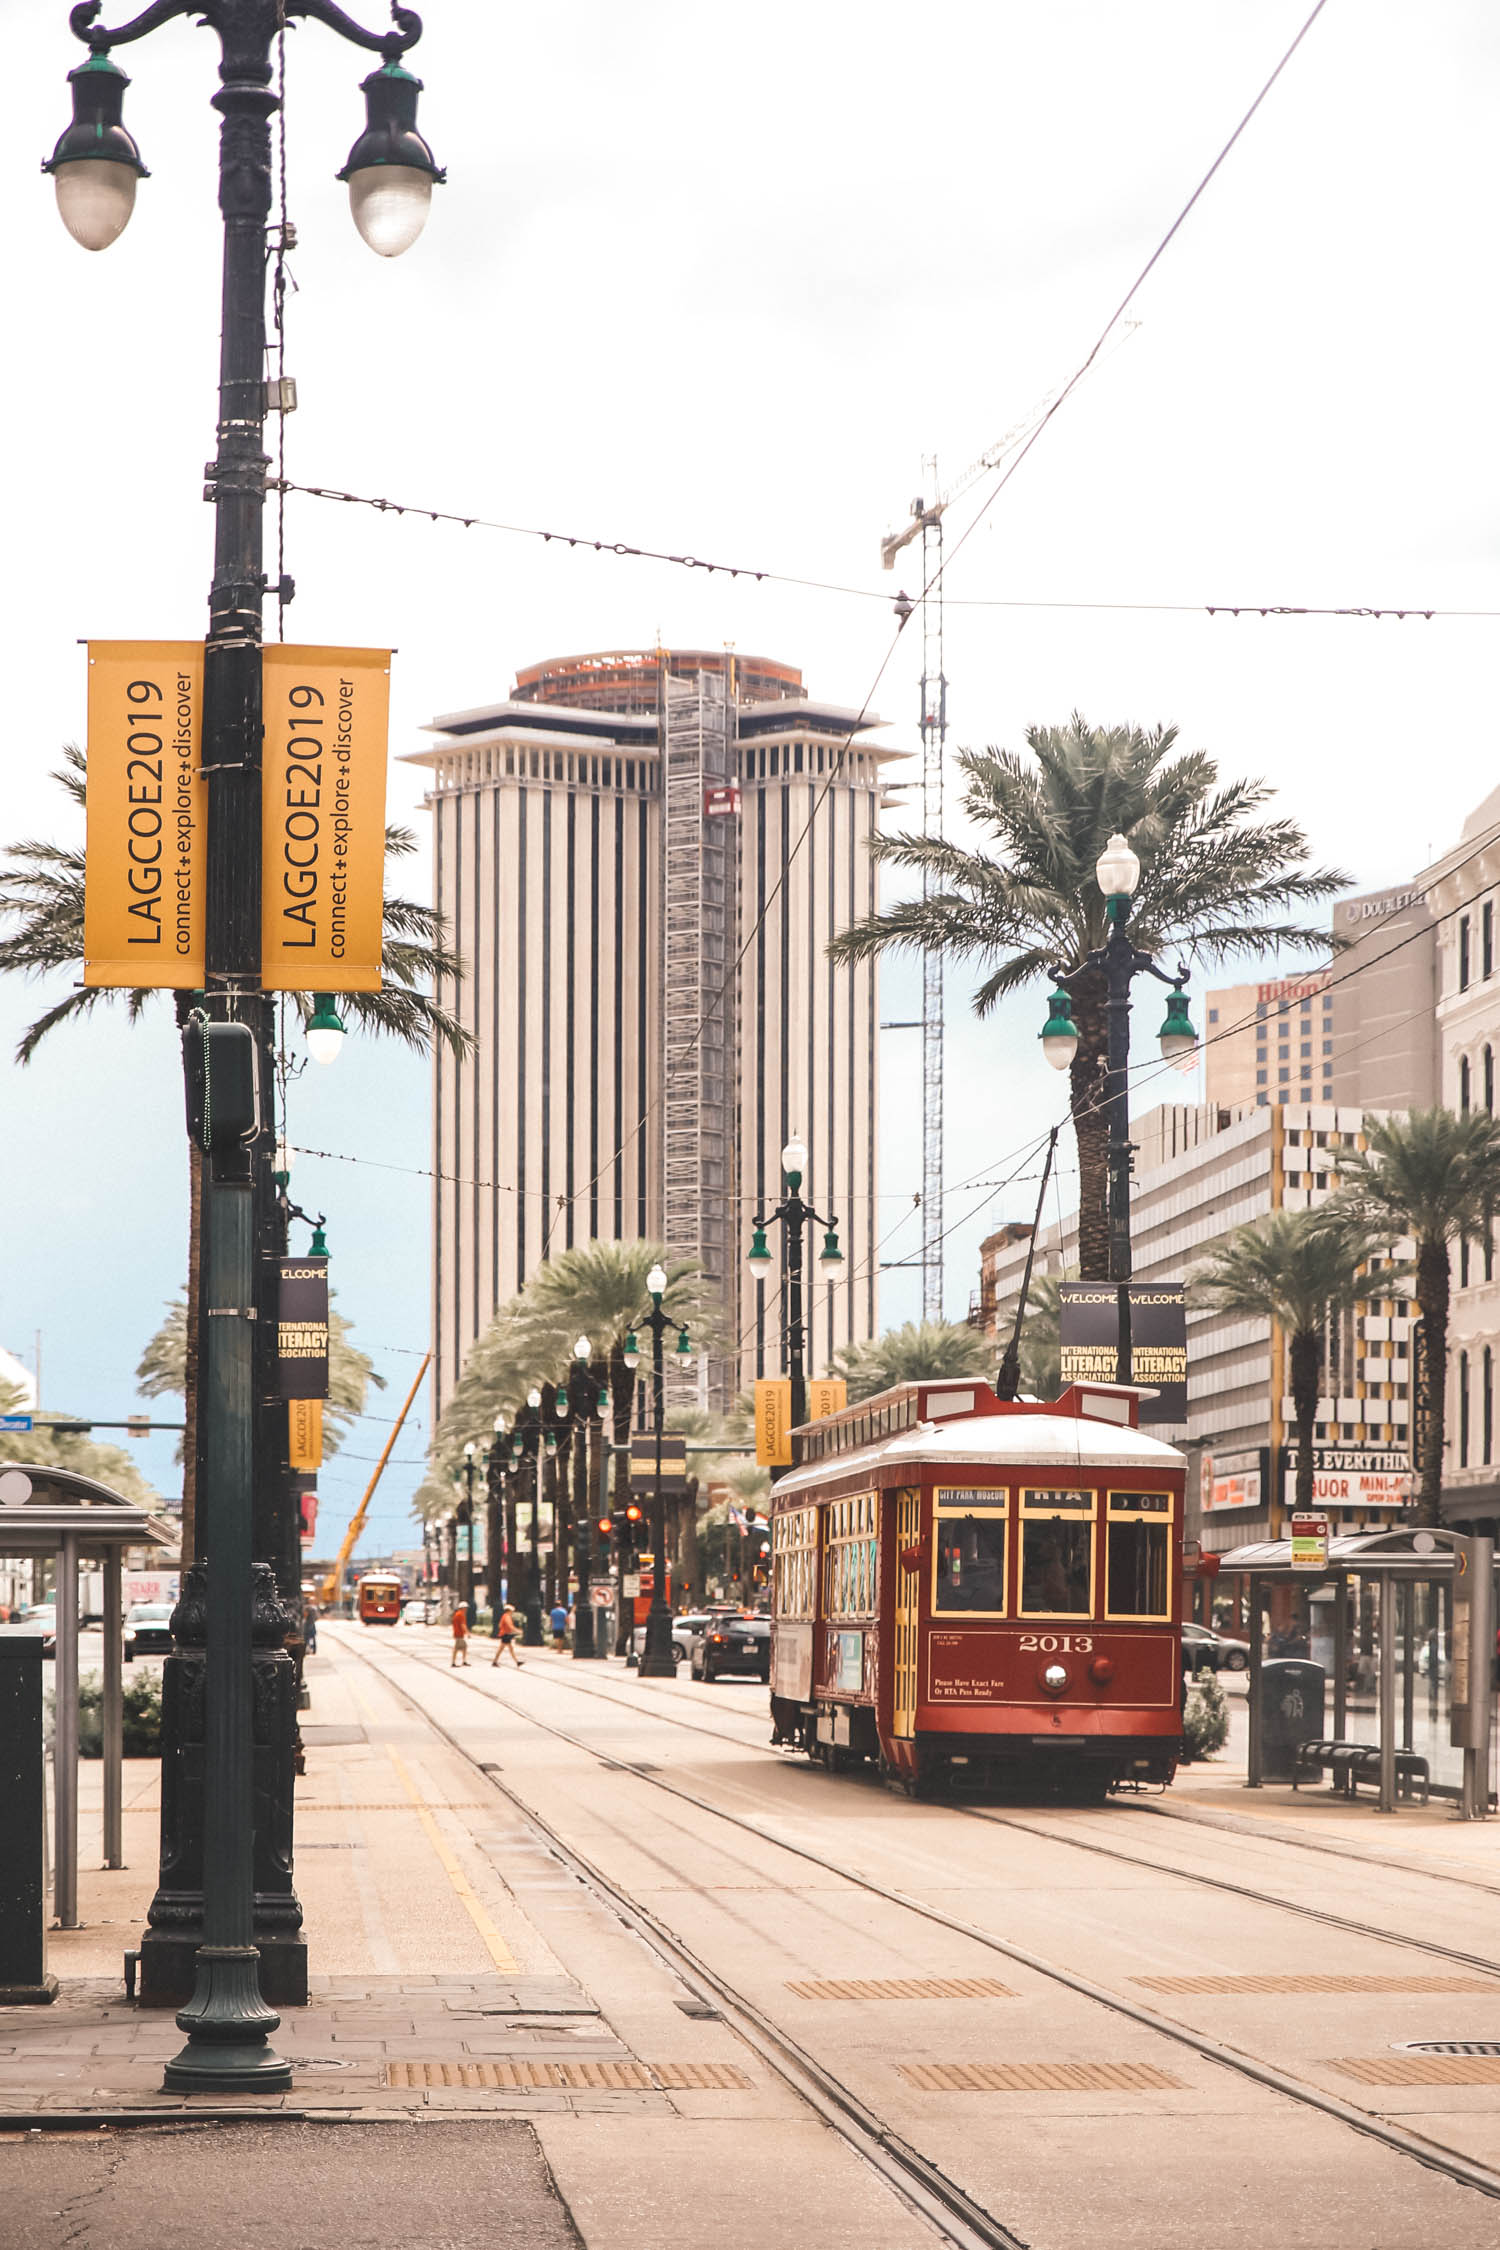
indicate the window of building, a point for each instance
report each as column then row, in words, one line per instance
column 1489, row 1251
column 1260, row 1013
column 1305, row 1049
column 1489, row 1080
column 1304, row 1070
column 1487, row 1405
column 1137, row 1540
column 1306, row 1007
column 1057, row 1554
column 1262, row 1101
column 1463, row 1410
column 1282, row 1075
column 1213, row 1015
column 794, row 1547
column 1463, row 1263
column 969, row 1533
column 1463, row 953
column 1261, row 1077
column 797, row 757
column 1328, row 1046
column 1487, row 948
column 1282, row 1053
column 1463, row 1083
column 849, row 1578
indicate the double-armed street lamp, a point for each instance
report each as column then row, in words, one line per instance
column 95, row 168
column 531, row 1440
column 656, row 1660
column 1119, row 961
column 475, row 1462
column 584, row 1392
column 793, row 1215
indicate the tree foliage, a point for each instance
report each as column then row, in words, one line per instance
column 1218, row 881
column 920, row 1351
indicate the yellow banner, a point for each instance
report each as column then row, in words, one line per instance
column 143, row 919
column 323, row 817
column 305, row 1433
column 773, row 1422
column 829, row 1396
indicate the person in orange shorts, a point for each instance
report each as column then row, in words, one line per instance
column 460, row 1636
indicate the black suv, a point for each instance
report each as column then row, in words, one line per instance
column 735, row 1644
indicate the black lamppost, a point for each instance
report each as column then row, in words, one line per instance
column 474, row 1461
column 532, row 1441
column 95, row 167
column 1120, row 961
column 584, row 1392
column 792, row 1215
column 497, row 1556
column 656, row 1659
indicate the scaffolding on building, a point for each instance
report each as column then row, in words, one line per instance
column 700, row 994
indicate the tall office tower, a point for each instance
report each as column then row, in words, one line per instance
column 641, row 856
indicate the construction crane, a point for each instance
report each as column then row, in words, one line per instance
column 331, row 1585
column 927, row 525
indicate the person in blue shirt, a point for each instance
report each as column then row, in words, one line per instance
column 559, row 1626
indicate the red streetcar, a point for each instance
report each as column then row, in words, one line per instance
column 966, row 1590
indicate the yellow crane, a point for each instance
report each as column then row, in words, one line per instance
column 328, row 1591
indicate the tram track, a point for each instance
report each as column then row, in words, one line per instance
column 1484, row 1964
column 913, row 2173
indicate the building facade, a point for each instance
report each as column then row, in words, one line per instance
column 641, row 857
column 1202, row 1173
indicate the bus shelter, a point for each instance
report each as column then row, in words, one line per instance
column 1457, row 1650
column 51, row 1511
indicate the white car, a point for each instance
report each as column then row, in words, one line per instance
column 683, row 1629
column 414, row 1613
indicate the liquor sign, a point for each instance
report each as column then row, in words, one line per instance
column 305, row 1433
column 773, row 1422
column 323, row 817
column 1088, row 1332
column 302, row 1328
column 1309, row 1542
column 146, row 809
column 1351, row 1476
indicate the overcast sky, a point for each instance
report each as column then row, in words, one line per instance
column 718, row 282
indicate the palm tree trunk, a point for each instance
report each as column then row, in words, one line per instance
column 1085, row 1096
column 1304, row 1357
column 1434, row 1281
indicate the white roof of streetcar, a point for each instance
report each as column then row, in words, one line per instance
column 963, row 1438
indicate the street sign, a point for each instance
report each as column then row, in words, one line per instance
column 1309, row 1542
column 1089, row 1332
column 305, row 1433
column 826, row 1394
column 630, row 1585
column 302, row 1328
column 323, row 817
column 773, row 1422
column 673, row 1466
column 602, row 1597
column 15, row 1422
column 146, row 816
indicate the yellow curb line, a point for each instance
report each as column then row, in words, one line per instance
column 500, row 1953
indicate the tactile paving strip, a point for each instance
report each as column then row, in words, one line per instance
column 1421, row 2070
column 1045, row 2078
column 527, row 2077
column 901, row 1988
column 1324, row 1984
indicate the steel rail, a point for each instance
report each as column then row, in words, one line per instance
column 1432, row 2155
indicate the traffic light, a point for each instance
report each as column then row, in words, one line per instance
column 606, row 1526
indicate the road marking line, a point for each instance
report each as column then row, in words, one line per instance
column 500, row 1953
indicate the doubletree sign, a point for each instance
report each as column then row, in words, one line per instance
column 302, row 1328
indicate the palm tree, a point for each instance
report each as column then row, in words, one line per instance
column 42, row 901
column 162, row 1372
column 1433, row 1175
column 1296, row 1269
column 1041, row 1337
column 921, row 1351
column 1213, row 880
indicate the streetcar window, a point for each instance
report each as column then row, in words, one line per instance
column 970, row 1567
column 1138, row 1569
column 794, row 1540
column 1057, row 1567
column 850, row 1557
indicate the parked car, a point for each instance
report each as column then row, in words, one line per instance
column 734, row 1643
column 698, row 1624
column 148, row 1629
column 43, row 1620
column 683, row 1629
column 416, row 1613
column 1203, row 1650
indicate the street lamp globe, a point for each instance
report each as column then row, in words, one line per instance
column 1177, row 1038
column 470, row 1450
column 583, row 1349
column 1117, row 870
column 325, row 1030
column 656, row 1280
column 831, row 1257
column 533, row 1396
column 1059, row 1034
column 794, row 1161
column 758, row 1256
column 630, row 1352
column 96, row 164
column 499, row 1425
column 684, row 1352
column 391, row 171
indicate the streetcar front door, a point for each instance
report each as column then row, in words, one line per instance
column 908, row 1593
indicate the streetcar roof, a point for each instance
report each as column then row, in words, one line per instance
column 1042, row 1441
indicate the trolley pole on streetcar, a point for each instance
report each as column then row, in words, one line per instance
column 656, row 1658
column 1119, row 961
column 792, row 1215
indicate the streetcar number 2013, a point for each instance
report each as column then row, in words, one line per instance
column 1048, row 1643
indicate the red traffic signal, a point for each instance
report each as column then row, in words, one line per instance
column 604, row 1527
column 632, row 1513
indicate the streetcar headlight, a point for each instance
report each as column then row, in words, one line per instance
column 1054, row 1678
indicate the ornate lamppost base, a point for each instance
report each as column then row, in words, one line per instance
column 656, row 1657
column 227, row 2024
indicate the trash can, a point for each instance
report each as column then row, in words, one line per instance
column 24, row 1976
column 1291, row 1711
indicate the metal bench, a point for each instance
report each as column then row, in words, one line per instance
column 1353, row 1762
